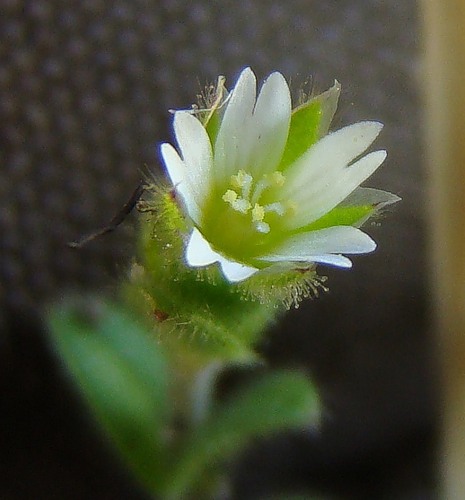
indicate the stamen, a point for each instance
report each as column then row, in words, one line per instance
column 237, row 181
column 258, row 213
column 241, row 205
column 278, row 179
column 230, row 196
column 291, row 208
column 275, row 179
column 262, row 227
column 277, row 208
column 262, row 185
column 250, row 193
column 246, row 186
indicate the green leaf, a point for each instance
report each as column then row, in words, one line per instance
column 276, row 402
column 121, row 373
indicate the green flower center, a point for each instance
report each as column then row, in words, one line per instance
column 249, row 219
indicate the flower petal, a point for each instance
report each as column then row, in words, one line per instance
column 317, row 246
column 234, row 271
column 178, row 175
column 336, row 189
column 350, row 178
column 333, row 260
column 270, row 125
column 233, row 141
column 322, row 178
column 336, row 150
column 173, row 163
column 196, row 152
column 199, row 253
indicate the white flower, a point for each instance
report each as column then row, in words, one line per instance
column 256, row 199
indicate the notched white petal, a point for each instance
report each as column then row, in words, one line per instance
column 343, row 146
column 177, row 172
column 232, row 143
column 199, row 253
column 330, row 259
column 173, row 163
column 196, row 152
column 332, row 153
column 271, row 119
column 322, row 193
column 333, row 260
column 194, row 144
column 306, row 247
column 353, row 140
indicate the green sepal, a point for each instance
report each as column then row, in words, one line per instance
column 303, row 132
column 214, row 112
column 328, row 101
column 275, row 402
column 309, row 122
column 287, row 284
column 341, row 216
column 213, row 126
column 122, row 374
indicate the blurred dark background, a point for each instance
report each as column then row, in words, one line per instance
column 85, row 89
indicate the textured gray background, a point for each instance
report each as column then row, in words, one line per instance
column 84, row 93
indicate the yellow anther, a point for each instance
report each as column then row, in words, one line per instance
column 230, row 196
column 245, row 195
column 238, row 180
column 258, row 213
column 291, row 208
column 278, row 178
